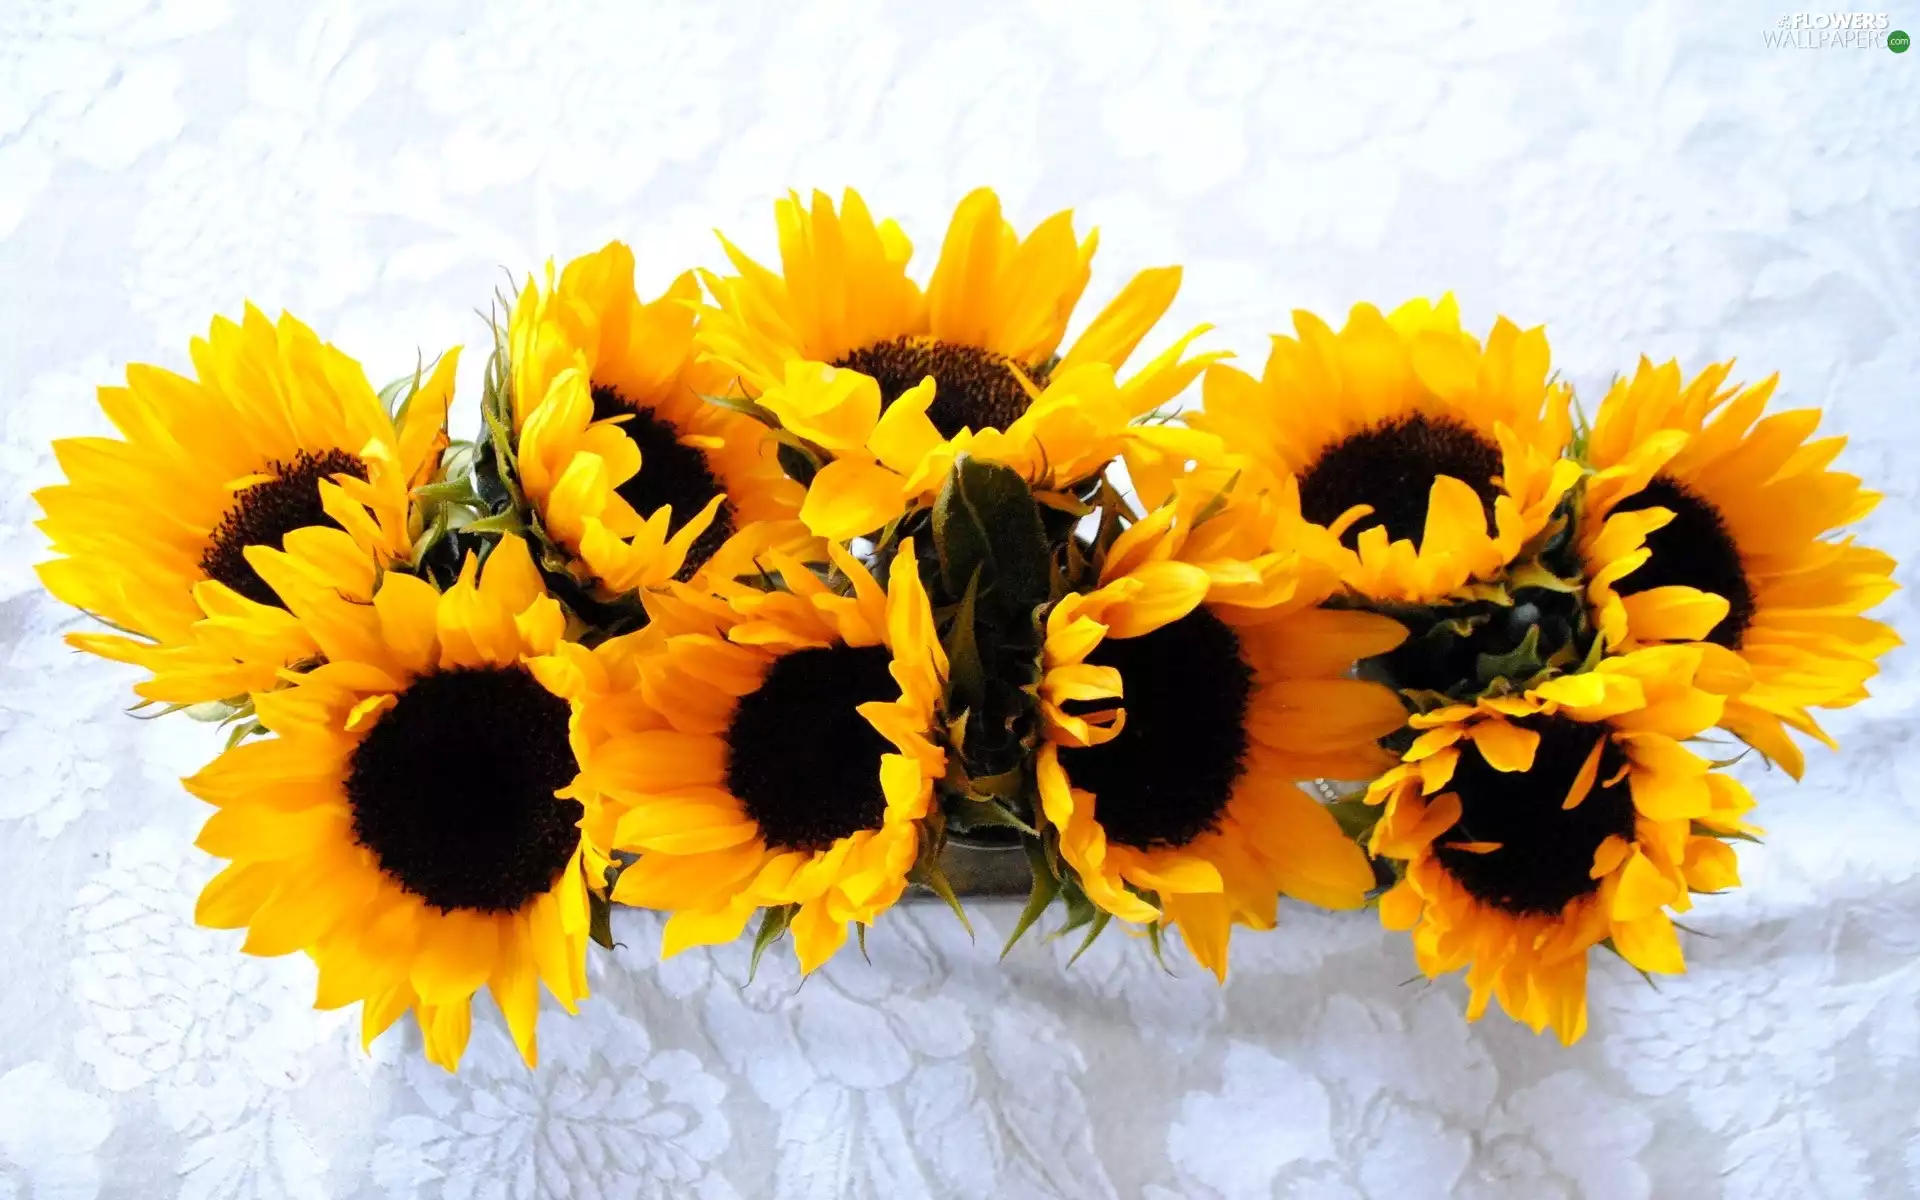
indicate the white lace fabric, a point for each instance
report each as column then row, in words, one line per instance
column 1655, row 180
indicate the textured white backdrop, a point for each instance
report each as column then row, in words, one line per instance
column 1653, row 180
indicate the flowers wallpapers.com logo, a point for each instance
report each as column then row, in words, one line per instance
column 1836, row 31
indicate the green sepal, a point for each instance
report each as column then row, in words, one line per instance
column 242, row 730
column 207, row 712
column 1217, row 502
column 1095, row 927
column 1157, row 942
column 1045, row 887
column 600, row 919
column 1698, row 829
column 773, row 923
column 1115, row 515
column 1080, row 910
column 746, row 407
column 1523, row 662
column 927, row 874
column 969, row 815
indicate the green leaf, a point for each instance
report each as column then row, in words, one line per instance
column 966, row 672
column 773, row 923
column 1045, row 888
column 985, row 520
column 1355, row 816
column 800, row 466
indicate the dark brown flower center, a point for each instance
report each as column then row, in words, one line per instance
column 1392, row 466
column 973, row 388
column 670, row 473
column 265, row 513
column 1168, row 776
column 453, row 789
column 800, row 756
column 1545, row 854
column 1693, row 550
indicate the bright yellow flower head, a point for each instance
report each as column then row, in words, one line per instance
column 1535, row 827
column 767, row 750
column 894, row 384
column 1183, row 699
column 1432, row 458
column 276, row 431
column 1707, row 521
column 626, row 465
column 412, row 823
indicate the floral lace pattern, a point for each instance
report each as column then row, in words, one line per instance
column 1655, row 178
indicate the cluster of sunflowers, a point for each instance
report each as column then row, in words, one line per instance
column 749, row 600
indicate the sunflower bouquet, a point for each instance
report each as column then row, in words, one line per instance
column 753, row 602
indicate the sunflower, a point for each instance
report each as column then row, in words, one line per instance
column 409, row 825
column 278, row 431
column 767, row 750
column 1707, row 521
column 1432, row 459
column 1183, row 698
column 894, row 384
column 1532, row 827
column 628, row 467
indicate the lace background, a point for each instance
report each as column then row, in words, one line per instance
column 1654, row 180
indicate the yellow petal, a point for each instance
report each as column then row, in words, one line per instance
column 232, row 897
column 1710, row 865
column 1650, row 943
column 851, row 497
column 1127, row 318
column 712, row 927
column 832, row 407
column 1506, row 747
column 1643, row 889
column 1401, row 907
column 1608, row 855
column 408, row 608
column 1168, row 592
column 816, row 934
column 456, row 956
column 515, row 985
column 904, row 435
column 1170, row 872
column 1674, row 614
column 1584, row 778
